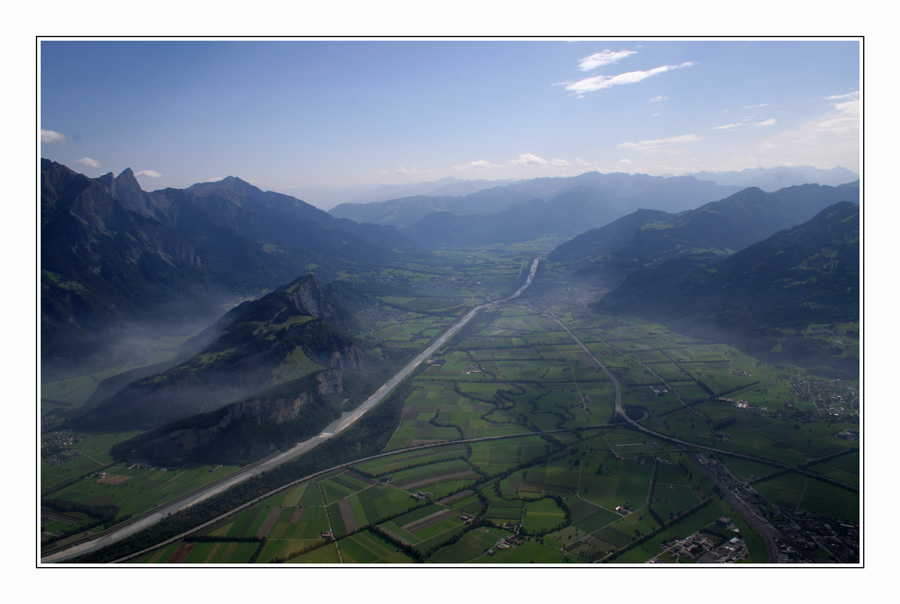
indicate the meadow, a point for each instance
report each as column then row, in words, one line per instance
column 527, row 460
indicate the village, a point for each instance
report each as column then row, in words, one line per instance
column 706, row 546
column 58, row 447
column 835, row 400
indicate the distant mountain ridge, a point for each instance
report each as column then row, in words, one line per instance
column 580, row 203
column 772, row 179
column 721, row 228
column 445, row 187
column 403, row 205
column 616, row 193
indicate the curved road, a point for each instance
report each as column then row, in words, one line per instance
column 767, row 533
column 336, row 427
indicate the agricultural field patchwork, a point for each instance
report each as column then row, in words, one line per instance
column 509, row 448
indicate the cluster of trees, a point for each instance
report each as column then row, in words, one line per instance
column 99, row 515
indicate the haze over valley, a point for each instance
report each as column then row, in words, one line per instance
column 634, row 342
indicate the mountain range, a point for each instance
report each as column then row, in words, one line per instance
column 759, row 268
column 117, row 262
column 767, row 179
column 772, row 179
column 324, row 197
column 609, row 253
column 604, row 197
column 765, row 296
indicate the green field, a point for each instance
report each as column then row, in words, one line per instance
column 561, row 478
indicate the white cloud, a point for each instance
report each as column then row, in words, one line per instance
column 664, row 146
column 845, row 123
column 848, row 96
column 756, row 106
column 831, row 140
column 603, row 58
column 478, row 164
column 850, row 107
column 657, row 99
column 51, row 137
column 601, row 82
column 744, row 123
column 87, row 161
column 149, row 174
column 560, row 162
column 529, row 159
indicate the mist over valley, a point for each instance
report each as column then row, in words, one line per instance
column 633, row 345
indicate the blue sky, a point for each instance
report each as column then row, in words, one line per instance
column 289, row 115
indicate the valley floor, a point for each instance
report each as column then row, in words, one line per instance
column 510, row 447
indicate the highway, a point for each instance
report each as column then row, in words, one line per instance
column 336, row 427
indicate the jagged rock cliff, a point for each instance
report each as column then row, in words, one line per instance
column 245, row 430
column 294, row 331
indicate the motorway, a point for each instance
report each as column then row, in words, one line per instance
column 336, row 427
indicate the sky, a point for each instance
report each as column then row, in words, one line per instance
column 294, row 115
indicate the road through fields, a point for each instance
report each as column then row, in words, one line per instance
column 336, row 427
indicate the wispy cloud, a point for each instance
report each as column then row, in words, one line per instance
column 583, row 164
column 668, row 146
column 831, row 139
column 51, row 137
column 402, row 173
column 598, row 59
column 525, row 165
column 149, row 174
column 745, row 123
column 850, row 105
column 478, row 164
column 87, row 161
column 529, row 159
column 601, row 82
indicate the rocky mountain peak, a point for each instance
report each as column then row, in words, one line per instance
column 127, row 190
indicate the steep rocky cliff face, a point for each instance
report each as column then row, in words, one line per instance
column 295, row 331
column 245, row 430
column 273, row 409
